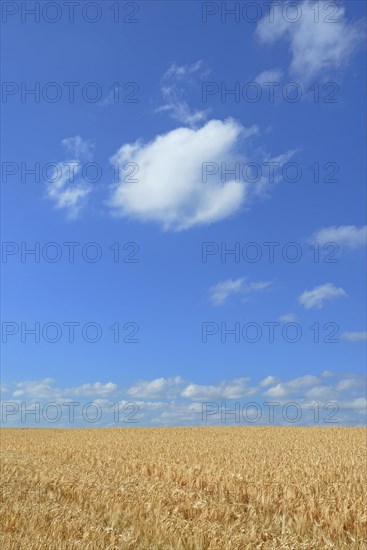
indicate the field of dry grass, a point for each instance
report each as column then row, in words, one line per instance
column 183, row 488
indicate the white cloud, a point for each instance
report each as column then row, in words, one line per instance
column 220, row 292
column 316, row 297
column 36, row 389
column 360, row 404
column 157, row 388
column 270, row 76
column 79, row 147
column 288, row 318
column 321, row 392
column 181, row 71
column 179, row 109
column 179, row 414
column 180, row 177
column 175, row 97
column 97, row 389
column 268, row 381
column 45, row 389
column 354, row 336
column 286, row 389
column 327, row 374
column 169, row 185
column 110, row 98
column 65, row 185
column 348, row 383
column 224, row 390
column 181, row 403
column 317, row 47
column 272, row 176
column 148, row 405
column 349, row 236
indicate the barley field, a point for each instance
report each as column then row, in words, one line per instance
column 183, row 488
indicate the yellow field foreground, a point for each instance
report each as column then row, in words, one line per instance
column 184, row 488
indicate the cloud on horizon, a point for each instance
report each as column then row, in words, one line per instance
column 174, row 401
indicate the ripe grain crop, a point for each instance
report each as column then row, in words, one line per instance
column 184, row 488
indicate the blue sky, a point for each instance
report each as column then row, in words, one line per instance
column 154, row 123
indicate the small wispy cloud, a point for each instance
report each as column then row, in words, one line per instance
column 316, row 297
column 110, row 98
column 175, row 97
column 288, row 318
column 269, row 76
column 220, row 292
column 78, row 147
column 182, row 71
column 65, row 186
column 348, row 236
